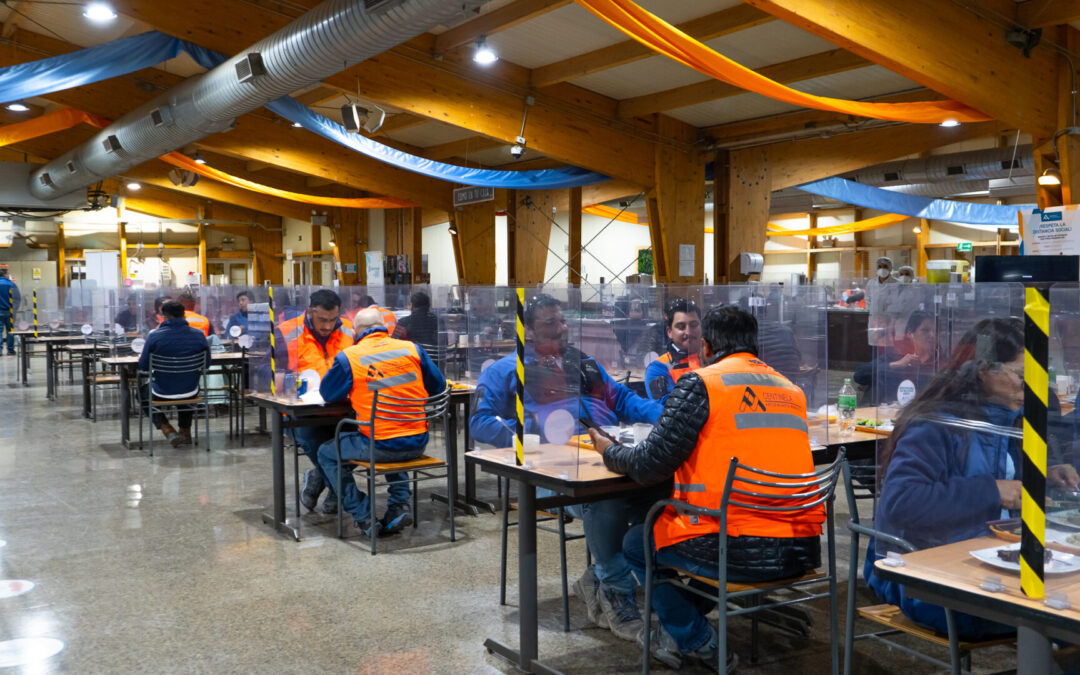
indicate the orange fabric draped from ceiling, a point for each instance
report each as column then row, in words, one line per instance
column 875, row 223
column 662, row 37
column 69, row 118
column 184, row 162
column 609, row 213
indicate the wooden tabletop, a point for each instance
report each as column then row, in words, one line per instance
column 564, row 468
column 292, row 404
column 134, row 358
column 90, row 347
column 952, row 571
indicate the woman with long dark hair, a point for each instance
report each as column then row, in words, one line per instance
column 953, row 461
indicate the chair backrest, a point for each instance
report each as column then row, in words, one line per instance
column 791, row 493
column 194, row 364
column 856, row 527
column 404, row 409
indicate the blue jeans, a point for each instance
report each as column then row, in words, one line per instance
column 356, row 446
column 682, row 614
column 605, row 524
column 7, row 323
column 310, row 439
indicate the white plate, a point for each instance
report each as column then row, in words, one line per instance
column 1061, row 518
column 1061, row 563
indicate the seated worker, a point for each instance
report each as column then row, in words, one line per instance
column 559, row 377
column 311, row 341
column 158, row 319
column 358, row 300
column 378, row 362
column 942, row 483
column 174, row 338
column 915, row 359
column 129, row 317
column 241, row 316
column 705, row 422
column 683, row 347
column 194, row 319
column 421, row 326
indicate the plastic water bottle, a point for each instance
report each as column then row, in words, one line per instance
column 845, row 408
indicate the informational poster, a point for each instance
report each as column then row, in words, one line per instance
column 373, row 263
column 1052, row 231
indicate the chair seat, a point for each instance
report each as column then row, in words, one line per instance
column 735, row 587
column 105, row 379
column 891, row 617
column 177, row 401
column 421, row 462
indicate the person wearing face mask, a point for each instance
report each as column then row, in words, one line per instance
column 941, row 480
column 559, row 377
column 906, row 274
column 884, row 270
column 682, row 353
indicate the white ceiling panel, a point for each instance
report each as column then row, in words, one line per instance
column 431, row 133
column 853, row 84
column 66, row 22
column 774, row 42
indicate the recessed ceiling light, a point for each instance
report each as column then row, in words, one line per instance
column 134, row 186
column 484, row 54
column 199, row 159
column 297, row 125
column 99, row 12
column 18, row 107
column 950, row 123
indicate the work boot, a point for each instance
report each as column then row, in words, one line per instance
column 313, row 487
column 621, row 613
column 185, row 436
column 587, row 589
column 171, row 435
column 367, row 528
column 662, row 647
column 329, row 505
column 396, row 519
column 709, row 655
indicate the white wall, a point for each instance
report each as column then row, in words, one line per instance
column 438, row 247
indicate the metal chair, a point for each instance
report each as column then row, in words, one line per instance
column 197, row 364
column 793, row 493
column 399, row 409
column 889, row 616
column 560, row 516
column 99, row 377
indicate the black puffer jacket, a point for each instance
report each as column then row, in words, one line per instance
column 668, row 446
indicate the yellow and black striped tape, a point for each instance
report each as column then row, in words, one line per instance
column 1036, row 391
column 273, row 347
column 35, row 313
column 519, row 440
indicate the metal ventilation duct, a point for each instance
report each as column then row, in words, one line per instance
column 325, row 40
column 992, row 163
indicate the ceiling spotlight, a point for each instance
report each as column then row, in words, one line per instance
column 518, row 148
column 950, row 123
column 484, row 54
column 18, row 107
column 1050, row 177
column 332, row 242
column 198, row 158
column 453, row 230
column 99, row 12
column 917, row 229
column 297, row 125
column 134, row 186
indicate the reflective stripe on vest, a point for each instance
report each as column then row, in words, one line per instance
column 198, row 322
column 381, row 363
column 757, row 415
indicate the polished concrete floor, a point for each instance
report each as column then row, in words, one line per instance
column 162, row 565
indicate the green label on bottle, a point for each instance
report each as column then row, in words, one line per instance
column 846, row 402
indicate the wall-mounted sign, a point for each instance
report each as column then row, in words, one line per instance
column 1052, row 231
column 37, row 274
column 473, row 195
column 350, row 268
column 964, row 247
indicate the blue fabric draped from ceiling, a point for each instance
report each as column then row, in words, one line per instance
column 869, row 197
column 127, row 55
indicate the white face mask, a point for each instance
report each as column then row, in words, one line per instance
column 905, row 279
column 882, row 273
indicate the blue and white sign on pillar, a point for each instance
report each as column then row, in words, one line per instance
column 1052, row 231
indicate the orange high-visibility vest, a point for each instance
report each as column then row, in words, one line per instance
column 306, row 352
column 388, row 319
column 684, row 365
column 198, row 321
column 381, row 363
column 757, row 415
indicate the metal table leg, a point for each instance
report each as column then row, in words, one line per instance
column 277, row 451
column 125, row 406
column 85, row 362
column 470, row 469
column 1033, row 653
column 452, row 459
column 50, row 385
column 24, row 360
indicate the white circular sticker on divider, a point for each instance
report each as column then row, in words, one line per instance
column 235, row 331
column 485, row 364
column 118, row 330
column 9, row 588
column 54, row 324
column 87, row 329
column 137, row 345
column 559, row 427
column 24, row 651
column 24, row 325
column 905, row 393
column 245, row 341
column 650, row 357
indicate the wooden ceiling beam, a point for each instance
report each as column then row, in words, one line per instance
column 731, row 20
column 795, row 70
column 942, row 46
column 1046, row 13
column 14, row 18
column 399, row 122
column 320, row 94
column 494, row 21
column 254, row 167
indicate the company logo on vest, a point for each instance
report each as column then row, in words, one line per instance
column 750, row 401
